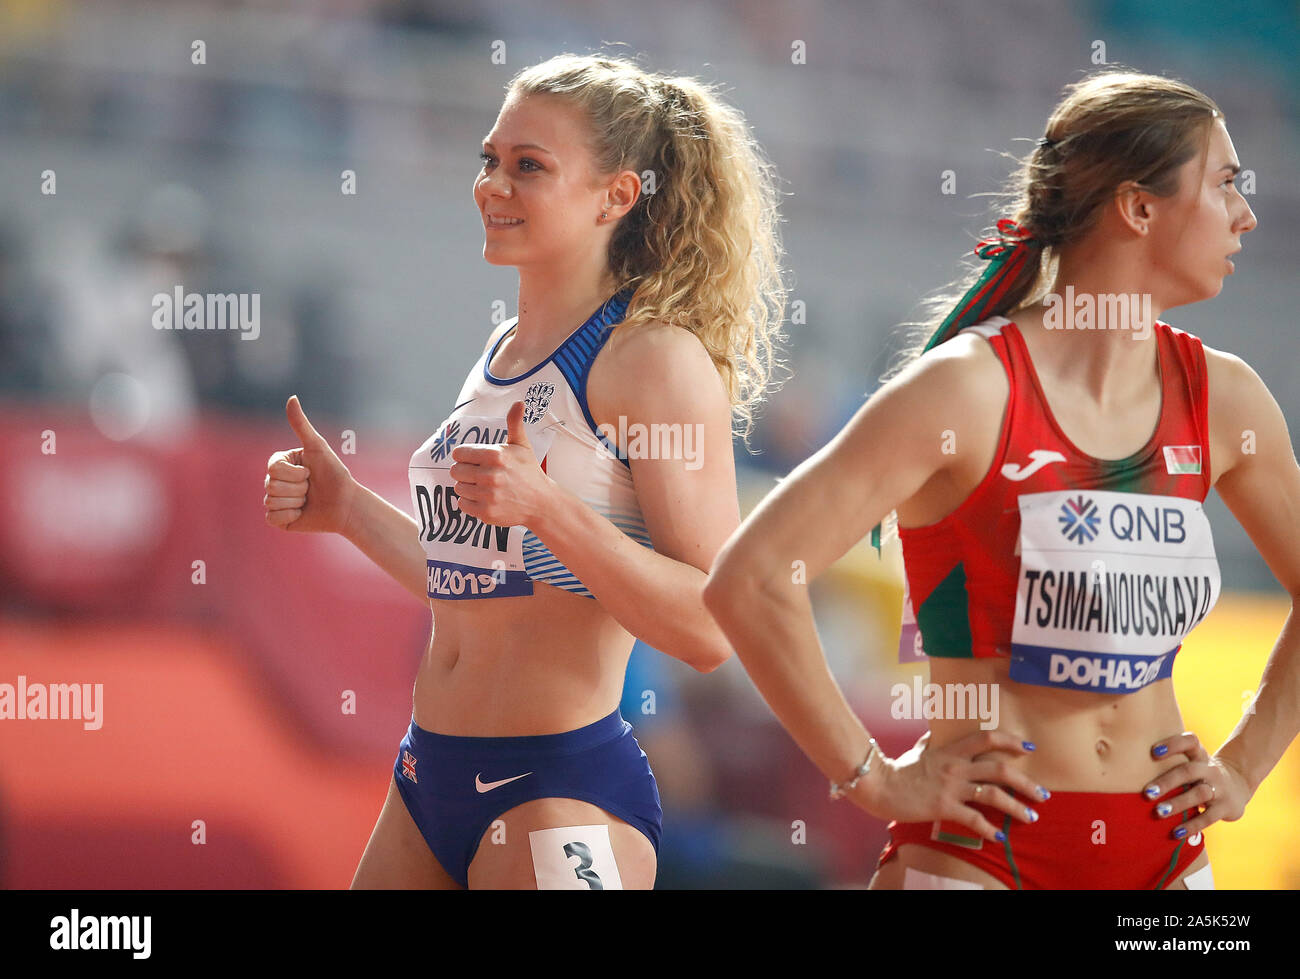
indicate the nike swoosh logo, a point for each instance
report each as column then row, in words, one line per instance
column 457, row 408
column 489, row 786
column 1040, row 457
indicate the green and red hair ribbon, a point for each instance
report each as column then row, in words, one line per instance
column 1006, row 255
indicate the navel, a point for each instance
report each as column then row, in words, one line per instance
column 1103, row 747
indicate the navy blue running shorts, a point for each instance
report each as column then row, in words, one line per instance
column 454, row 787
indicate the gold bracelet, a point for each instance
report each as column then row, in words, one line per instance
column 839, row 791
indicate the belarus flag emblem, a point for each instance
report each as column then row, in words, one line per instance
column 1180, row 459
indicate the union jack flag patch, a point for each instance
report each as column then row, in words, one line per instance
column 408, row 766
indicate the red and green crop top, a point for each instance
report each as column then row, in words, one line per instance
column 1088, row 572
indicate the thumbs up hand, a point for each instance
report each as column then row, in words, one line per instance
column 502, row 484
column 516, row 433
column 308, row 488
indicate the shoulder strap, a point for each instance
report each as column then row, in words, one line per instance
column 578, row 352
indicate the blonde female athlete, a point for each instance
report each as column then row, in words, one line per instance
column 583, row 480
column 1048, row 479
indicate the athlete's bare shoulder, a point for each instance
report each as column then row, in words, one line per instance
column 1223, row 370
column 651, row 354
column 959, row 391
column 655, row 339
column 973, row 349
column 497, row 331
column 1224, row 366
column 1240, row 404
column 964, row 375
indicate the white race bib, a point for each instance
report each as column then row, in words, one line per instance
column 1110, row 584
column 467, row 558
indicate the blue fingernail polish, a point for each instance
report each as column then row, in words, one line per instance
column 1164, row 809
column 1001, row 837
column 1159, row 750
column 1033, row 816
column 1180, row 832
column 1029, row 745
column 1151, row 791
column 1043, row 793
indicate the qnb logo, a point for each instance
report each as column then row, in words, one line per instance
column 1079, row 520
column 445, row 442
column 1161, row 524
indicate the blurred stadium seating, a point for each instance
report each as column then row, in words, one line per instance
column 224, row 700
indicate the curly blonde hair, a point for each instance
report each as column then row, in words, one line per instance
column 703, row 250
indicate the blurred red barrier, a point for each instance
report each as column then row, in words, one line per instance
column 103, row 528
column 195, row 776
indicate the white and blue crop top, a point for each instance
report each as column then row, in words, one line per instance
column 467, row 558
